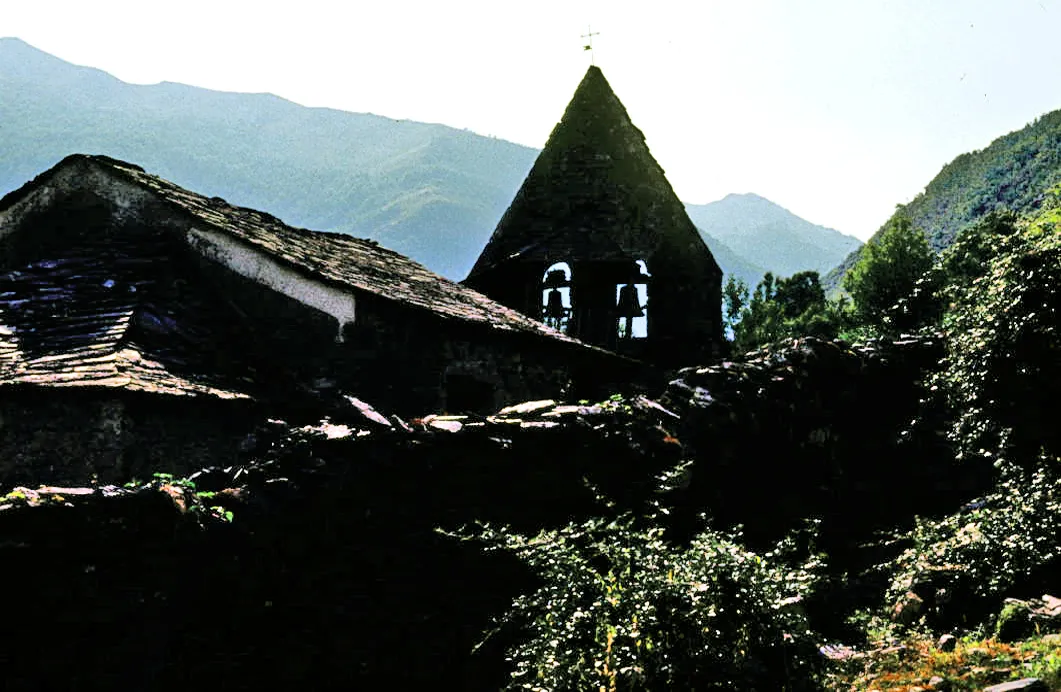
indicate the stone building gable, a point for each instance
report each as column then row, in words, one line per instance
column 333, row 258
column 115, row 279
column 595, row 192
column 598, row 202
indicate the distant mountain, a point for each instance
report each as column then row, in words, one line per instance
column 731, row 263
column 1011, row 173
column 777, row 239
column 431, row 192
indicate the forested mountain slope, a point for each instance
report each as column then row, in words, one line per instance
column 1013, row 172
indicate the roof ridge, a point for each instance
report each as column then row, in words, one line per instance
column 358, row 263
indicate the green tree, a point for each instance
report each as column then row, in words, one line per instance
column 761, row 320
column 735, row 297
column 799, row 293
column 618, row 607
column 888, row 270
column 781, row 308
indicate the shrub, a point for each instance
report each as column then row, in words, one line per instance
column 966, row 563
column 1003, row 323
column 619, row 608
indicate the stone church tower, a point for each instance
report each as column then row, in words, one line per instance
column 597, row 244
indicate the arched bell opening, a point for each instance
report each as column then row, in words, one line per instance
column 631, row 303
column 556, row 296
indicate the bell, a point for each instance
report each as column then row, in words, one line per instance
column 629, row 305
column 554, row 306
column 556, row 279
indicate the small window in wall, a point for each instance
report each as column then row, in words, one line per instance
column 631, row 304
column 556, row 296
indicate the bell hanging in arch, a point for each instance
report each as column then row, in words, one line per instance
column 554, row 306
column 629, row 305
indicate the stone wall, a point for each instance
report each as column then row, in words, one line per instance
column 67, row 436
column 330, row 575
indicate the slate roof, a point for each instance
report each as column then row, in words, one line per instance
column 595, row 193
column 103, row 314
column 106, row 315
column 340, row 259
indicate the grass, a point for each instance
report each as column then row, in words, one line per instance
column 972, row 665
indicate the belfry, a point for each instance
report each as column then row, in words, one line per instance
column 597, row 245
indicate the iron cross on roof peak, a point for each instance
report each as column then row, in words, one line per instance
column 588, row 44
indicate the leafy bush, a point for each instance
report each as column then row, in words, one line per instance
column 1003, row 324
column 620, row 608
column 966, row 563
column 996, row 293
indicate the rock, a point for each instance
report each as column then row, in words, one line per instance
column 839, row 652
column 565, row 410
column 329, row 430
column 446, row 425
column 1028, row 684
column 503, row 420
column 899, row 650
column 56, row 490
column 336, row 432
column 367, row 413
column 947, row 642
column 538, row 424
column 648, row 405
column 450, row 424
column 210, row 479
column 908, row 608
column 527, row 407
column 1052, row 604
column 1019, row 619
column 937, row 682
column 400, row 424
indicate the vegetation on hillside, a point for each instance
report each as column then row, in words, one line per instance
column 1013, row 173
column 429, row 191
column 886, row 274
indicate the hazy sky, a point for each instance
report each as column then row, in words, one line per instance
column 835, row 109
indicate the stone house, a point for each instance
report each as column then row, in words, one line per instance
column 147, row 327
column 597, row 244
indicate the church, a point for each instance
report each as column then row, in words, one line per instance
column 145, row 327
column 597, row 245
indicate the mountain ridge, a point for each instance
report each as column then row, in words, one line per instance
column 1012, row 172
column 430, row 191
column 782, row 242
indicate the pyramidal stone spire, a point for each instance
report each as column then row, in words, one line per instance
column 595, row 187
column 596, row 195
